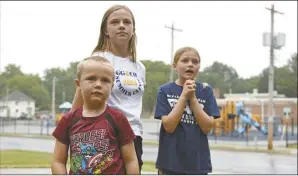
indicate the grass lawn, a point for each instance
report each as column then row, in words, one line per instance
column 283, row 151
column 33, row 159
column 37, row 136
column 292, row 145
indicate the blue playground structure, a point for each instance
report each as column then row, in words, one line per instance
column 247, row 120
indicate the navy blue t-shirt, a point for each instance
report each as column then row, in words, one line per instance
column 186, row 150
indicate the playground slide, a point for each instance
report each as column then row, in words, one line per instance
column 246, row 118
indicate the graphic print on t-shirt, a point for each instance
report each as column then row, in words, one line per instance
column 90, row 152
column 187, row 116
column 128, row 82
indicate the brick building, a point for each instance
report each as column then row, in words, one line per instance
column 257, row 103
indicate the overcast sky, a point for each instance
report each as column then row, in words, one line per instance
column 45, row 34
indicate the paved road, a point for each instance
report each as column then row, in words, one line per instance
column 41, row 171
column 223, row 161
column 151, row 130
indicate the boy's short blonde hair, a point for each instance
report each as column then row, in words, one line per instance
column 80, row 66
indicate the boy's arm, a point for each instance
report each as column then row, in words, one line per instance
column 127, row 149
column 60, row 154
column 130, row 158
column 60, row 158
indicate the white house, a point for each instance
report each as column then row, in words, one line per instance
column 16, row 105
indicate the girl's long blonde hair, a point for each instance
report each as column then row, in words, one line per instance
column 104, row 41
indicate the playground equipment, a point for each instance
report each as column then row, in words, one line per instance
column 247, row 119
column 285, row 121
column 63, row 109
column 229, row 122
column 226, row 122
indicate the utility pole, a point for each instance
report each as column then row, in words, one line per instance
column 53, row 98
column 271, row 78
column 7, row 107
column 172, row 49
column 0, row 35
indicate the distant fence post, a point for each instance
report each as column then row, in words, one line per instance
column 15, row 126
column 28, row 126
column 2, row 125
column 48, row 124
column 246, row 134
column 287, row 142
column 292, row 125
column 41, row 126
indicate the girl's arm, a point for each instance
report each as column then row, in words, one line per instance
column 77, row 100
column 171, row 121
column 204, row 120
column 60, row 158
column 130, row 159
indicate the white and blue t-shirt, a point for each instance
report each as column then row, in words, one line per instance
column 186, row 150
column 128, row 90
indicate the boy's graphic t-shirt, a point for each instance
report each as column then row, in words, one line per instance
column 186, row 150
column 94, row 148
column 128, row 90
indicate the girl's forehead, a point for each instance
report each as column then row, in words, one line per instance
column 190, row 54
column 119, row 14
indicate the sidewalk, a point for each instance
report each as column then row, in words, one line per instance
column 43, row 171
column 34, row 171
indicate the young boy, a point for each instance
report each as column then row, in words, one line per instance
column 99, row 137
column 187, row 110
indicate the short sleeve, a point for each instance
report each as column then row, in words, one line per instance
column 106, row 55
column 142, row 66
column 61, row 131
column 126, row 134
column 162, row 105
column 98, row 53
column 211, row 105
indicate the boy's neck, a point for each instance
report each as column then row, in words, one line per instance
column 120, row 50
column 93, row 110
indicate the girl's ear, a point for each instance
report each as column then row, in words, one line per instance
column 174, row 65
column 106, row 32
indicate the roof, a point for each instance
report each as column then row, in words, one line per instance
column 65, row 105
column 17, row 96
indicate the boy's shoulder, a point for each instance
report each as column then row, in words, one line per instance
column 115, row 113
column 72, row 114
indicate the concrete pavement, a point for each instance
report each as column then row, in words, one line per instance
column 231, row 162
column 47, row 171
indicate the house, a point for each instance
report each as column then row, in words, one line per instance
column 17, row 105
